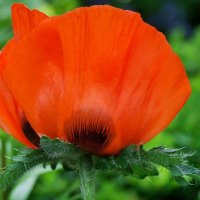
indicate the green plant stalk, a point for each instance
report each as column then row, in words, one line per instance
column 3, row 163
column 87, row 178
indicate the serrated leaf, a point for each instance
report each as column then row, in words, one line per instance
column 105, row 163
column 56, row 149
column 182, row 170
column 166, row 150
column 19, row 166
column 162, row 158
column 24, row 151
column 18, row 158
column 180, row 153
column 176, row 161
column 195, row 160
column 127, row 156
column 131, row 161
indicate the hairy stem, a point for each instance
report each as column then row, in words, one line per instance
column 87, row 178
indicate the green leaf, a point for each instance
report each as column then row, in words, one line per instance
column 167, row 157
column 107, row 163
column 144, row 169
column 181, row 170
column 125, row 157
column 117, row 162
column 132, row 161
column 56, row 149
column 177, row 161
column 21, row 164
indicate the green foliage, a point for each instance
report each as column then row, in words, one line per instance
column 132, row 161
column 20, row 164
column 58, row 149
column 64, row 6
column 187, row 49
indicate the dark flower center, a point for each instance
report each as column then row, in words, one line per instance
column 30, row 133
column 92, row 133
column 88, row 131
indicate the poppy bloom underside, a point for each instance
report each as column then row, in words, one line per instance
column 98, row 77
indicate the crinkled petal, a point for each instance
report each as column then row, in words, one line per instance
column 11, row 117
column 25, row 20
column 97, row 64
column 10, row 120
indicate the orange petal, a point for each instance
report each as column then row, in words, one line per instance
column 40, row 86
column 122, row 68
column 24, row 20
column 99, row 61
column 154, row 89
column 9, row 115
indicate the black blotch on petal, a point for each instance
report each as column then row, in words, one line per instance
column 30, row 133
column 92, row 134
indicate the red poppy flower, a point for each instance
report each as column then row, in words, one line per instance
column 98, row 77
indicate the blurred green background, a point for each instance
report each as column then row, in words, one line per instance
column 179, row 20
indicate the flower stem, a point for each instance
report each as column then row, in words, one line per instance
column 3, row 162
column 87, row 178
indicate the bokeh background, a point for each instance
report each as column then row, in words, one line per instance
column 179, row 20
